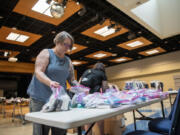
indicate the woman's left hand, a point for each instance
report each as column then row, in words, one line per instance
column 54, row 84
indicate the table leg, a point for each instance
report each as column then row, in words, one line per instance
column 162, row 108
column 170, row 100
column 90, row 128
column 134, row 119
column 79, row 131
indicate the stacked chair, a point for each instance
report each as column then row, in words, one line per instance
column 167, row 126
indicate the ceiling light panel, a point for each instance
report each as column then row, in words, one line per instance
column 109, row 32
column 74, row 48
column 120, row 59
column 22, row 38
column 42, row 7
column 152, row 52
column 6, row 54
column 17, row 37
column 135, row 44
column 47, row 12
column 12, row 36
column 101, row 30
column 76, row 63
column 100, row 55
column 105, row 31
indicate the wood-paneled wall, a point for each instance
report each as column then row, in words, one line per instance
column 162, row 68
column 16, row 67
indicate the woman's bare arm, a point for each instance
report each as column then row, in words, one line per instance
column 41, row 64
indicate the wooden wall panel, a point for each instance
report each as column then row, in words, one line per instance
column 17, row 67
column 162, row 68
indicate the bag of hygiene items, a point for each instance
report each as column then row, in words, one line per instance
column 58, row 101
column 79, row 88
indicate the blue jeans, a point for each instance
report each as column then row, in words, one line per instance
column 39, row 129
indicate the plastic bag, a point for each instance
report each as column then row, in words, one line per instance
column 79, row 89
column 58, row 101
column 77, row 100
column 95, row 100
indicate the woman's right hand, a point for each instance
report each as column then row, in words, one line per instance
column 54, row 84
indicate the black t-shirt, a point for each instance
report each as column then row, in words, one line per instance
column 93, row 78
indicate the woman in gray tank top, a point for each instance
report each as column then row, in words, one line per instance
column 52, row 69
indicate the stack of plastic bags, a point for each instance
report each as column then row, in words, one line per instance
column 114, row 98
column 58, row 101
column 80, row 92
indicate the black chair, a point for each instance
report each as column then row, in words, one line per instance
column 161, row 125
column 174, row 122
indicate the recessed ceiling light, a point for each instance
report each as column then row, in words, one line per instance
column 102, row 30
column 42, row 7
column 109, row 32
column 76, row 63
column 105, row 31
column 1, row 17
column 114, row 54
column 14, row 28
column 120, row 59
column 134, row 44
column 100, row 55
column 74, row 48
column 17, row 37
column 22, row 38
column 12, row 36
column 6, row 54
column 152, row 52
column 12, row 59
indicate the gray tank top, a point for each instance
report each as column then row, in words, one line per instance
column 57, row 70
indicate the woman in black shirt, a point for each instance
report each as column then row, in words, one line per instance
column 96, row 80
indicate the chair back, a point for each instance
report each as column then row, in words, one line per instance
column 172, row 109
column 175, row 126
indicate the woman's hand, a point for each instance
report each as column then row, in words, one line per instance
column 54, row 84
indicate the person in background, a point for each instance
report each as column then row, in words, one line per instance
column 52, row 69
column 96, row 80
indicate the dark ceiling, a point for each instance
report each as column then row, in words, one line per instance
column 96, row 10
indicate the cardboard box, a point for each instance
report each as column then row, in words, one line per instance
column 112, row 126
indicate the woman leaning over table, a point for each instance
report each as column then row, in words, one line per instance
column 52, row 69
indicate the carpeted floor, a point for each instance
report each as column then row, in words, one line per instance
column 143, row 124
